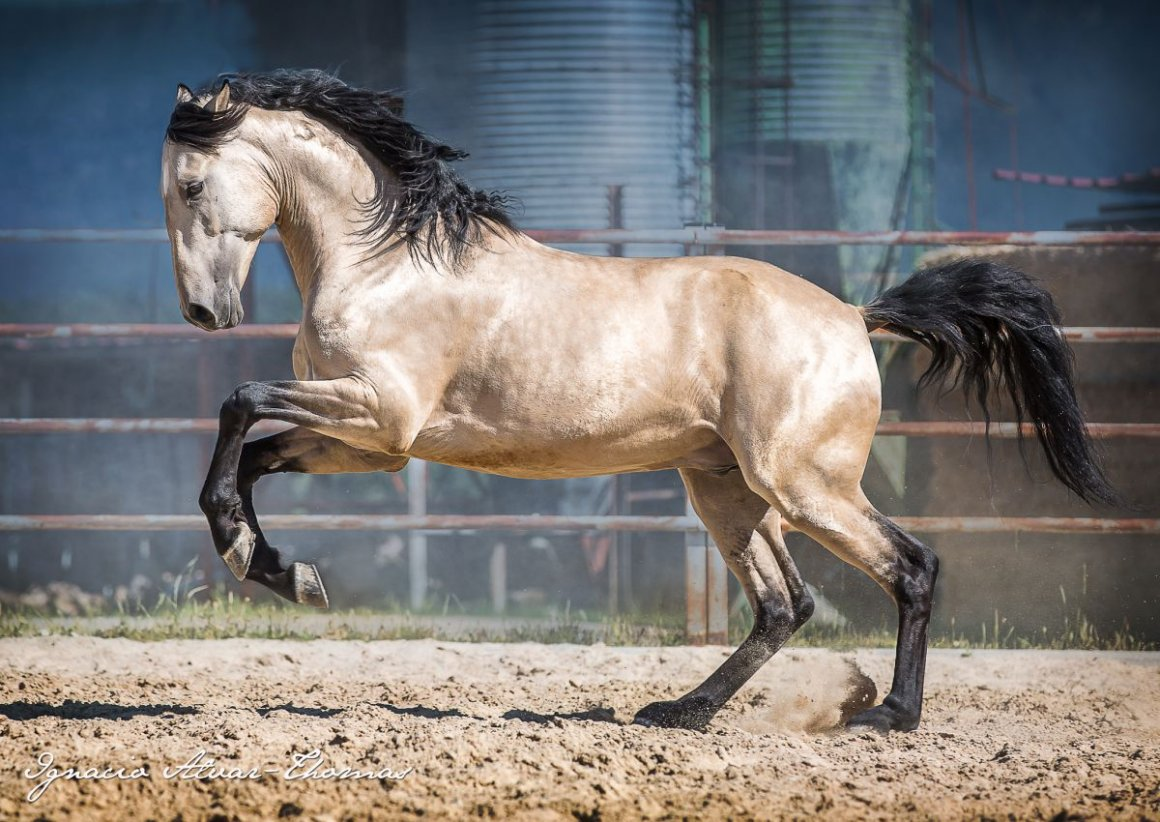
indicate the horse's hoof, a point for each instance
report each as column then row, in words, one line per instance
column 237, row 557
column 692, row 714
column 307, row 585
column 883, row 719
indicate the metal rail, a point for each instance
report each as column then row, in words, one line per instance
column 206, row 425
column 689, row 235
column 524, row 522
column 280, row 331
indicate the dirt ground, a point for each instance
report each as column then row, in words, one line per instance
column 538, row 732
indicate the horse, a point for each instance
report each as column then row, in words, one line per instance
column 433, row 328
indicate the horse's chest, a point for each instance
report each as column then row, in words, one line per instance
column 324, row 349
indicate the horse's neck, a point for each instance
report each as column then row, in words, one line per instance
column 323, row 178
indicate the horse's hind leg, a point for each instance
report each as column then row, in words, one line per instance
column 748, row 534
column 829, row 506
column 297, row 450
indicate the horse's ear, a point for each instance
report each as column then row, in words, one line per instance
column 184, row 95
column 220, row 101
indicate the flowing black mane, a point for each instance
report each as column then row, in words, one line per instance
column 437, row 215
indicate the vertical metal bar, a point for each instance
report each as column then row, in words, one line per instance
column 702, row 81
column 696, row 576
column 615, row 216
column 497, row 576
column 964, row 76
column 717, row 600
column 208, row 565
column 615, row 220
column 417, row 541
column 788, row 178
column 756, row 71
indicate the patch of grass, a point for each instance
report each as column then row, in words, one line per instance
column 186, row 610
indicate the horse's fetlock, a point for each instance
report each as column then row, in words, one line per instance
column 216, row 500
column 803, row 608
column 772, row 619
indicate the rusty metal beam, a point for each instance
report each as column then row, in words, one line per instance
column 1008, row 430
column 127, row 425
column 287, row 331
column 689, row 235
column 180, row 331
column 183, row 425
column 525, row 522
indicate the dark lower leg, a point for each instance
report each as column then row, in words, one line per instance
column 298, row 450
column 772, row 628
column 916, row 572
column 332, row 405
column 298, row 582
column 233, row 536
column 749, row 537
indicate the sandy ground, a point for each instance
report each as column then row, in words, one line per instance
column 538, row 732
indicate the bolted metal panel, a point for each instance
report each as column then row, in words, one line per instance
column 572, row 98
column 820, row 71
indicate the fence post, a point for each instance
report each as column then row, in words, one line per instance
column 417, row 540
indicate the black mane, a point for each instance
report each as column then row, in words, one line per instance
column 437, row 214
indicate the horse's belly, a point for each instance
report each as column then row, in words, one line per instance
column 529, row 455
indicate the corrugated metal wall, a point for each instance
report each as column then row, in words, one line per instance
column 573, row 98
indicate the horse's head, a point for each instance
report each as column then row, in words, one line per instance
column 219, row 201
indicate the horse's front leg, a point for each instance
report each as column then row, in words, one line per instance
column 340, row 409
column 302, row 451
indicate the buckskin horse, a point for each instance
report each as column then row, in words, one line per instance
column 433, row 328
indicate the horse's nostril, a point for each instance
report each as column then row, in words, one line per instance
column 202, row 315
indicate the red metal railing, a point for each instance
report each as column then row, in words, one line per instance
column 705, row 571
column 287, row 331
column 535, row 522
column 689, row 235
column 188, row 425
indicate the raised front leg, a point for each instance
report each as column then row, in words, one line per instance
column 748, row 534
column 303, row 451
column 340, row 409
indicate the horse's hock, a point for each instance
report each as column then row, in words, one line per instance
column 1036, row 580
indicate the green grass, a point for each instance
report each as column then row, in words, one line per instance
column 233, row 617
column 188, row 611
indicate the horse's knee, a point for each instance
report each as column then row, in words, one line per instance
column 242, row 401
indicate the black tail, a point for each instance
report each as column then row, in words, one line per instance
column 986, row 323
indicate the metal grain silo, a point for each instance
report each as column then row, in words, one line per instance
column 820, row 71
column 814, row 129
column 572, row 98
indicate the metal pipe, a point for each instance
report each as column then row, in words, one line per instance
column 266, row 331
column 524, row 522
column 710, row 235
column 690, row 235
column 208, row 425
column 1075, row 334
column 280, row 331
column 125, row 425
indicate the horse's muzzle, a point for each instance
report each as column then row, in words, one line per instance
column 209, row 320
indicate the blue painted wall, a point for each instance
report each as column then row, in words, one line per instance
column 1084, row 77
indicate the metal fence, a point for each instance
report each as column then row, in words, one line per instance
column 706, row 575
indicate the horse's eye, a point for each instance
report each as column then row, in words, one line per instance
column 194, row 189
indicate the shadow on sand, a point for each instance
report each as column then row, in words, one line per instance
column 72, row 709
